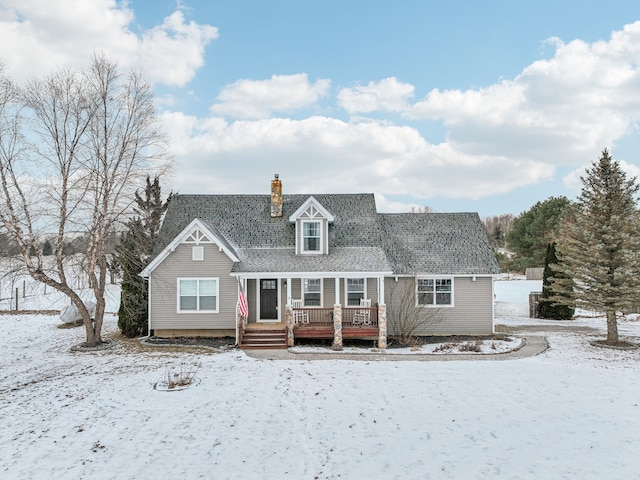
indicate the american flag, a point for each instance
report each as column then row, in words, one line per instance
column 243, row 306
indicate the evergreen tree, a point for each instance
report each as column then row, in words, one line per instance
column 533, row 230
column 553, row 309
column 600, row 246
column 133, row 254
column 47, row 248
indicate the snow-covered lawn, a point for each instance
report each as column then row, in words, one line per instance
column 572, row 412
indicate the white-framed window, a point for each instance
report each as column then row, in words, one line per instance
column 312, row 292
column 312, row 236
column 355, row 291
column 434, row 291
column 198, row 295
column 197, row 253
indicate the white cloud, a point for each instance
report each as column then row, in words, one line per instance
column 386, row 95
column 39, row 36
column 338, row 156
column 260, row 98
column 557, row 111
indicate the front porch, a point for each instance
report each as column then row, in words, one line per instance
column 316, row 307
column 359, row 323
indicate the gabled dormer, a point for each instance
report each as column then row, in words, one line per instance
column 312, row 228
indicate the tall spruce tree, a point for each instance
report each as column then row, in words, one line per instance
column 554, row 310
column 599, row 248
column 132, row 255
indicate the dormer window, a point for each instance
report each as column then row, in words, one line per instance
column 311, row 236
column 312, row 228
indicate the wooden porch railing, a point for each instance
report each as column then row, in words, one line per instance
column 351, row 317
column 313, row 317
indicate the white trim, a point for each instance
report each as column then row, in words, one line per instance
column 353, row 275
column 434, row 278
column 493, row 306
column 259, row 318
column 254, row 275
column 197, row 253
column 302, row 292
column 149, row 297
column 311, row 201
column 346, row 289
column 181, row 238
column 197, row 310
column 320, row 251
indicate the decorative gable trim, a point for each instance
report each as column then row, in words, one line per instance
column 311, row 209
column 197, row 237
column 196, row 233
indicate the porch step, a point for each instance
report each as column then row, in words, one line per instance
column 264, row 338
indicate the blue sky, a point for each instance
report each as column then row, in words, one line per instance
column 462, row 106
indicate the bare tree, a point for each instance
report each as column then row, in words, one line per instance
column 406, row 318
column 90, row 141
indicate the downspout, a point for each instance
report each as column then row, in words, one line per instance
column 493, row 304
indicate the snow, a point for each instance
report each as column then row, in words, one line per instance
column 569, row 413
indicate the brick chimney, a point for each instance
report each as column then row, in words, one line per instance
column 276, row 197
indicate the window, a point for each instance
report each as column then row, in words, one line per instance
column 198, row 295
column 197, row 253
column 312, row 292
column 355, row 291
column 435, row 291
column 311, row 236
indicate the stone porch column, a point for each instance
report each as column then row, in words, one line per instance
column 288, row 320
column 382, row 326
column 337, row 327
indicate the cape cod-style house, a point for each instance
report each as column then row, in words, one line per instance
column 267, row 269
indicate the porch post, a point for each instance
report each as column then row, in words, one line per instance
column 382, row 326
column 337, row 327
column 288, row 291
column 288, row 318
column 381, row 290
column 337, row 318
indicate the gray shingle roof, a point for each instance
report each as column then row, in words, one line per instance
column 437, row 243
column 360, row 239
column 268, row 244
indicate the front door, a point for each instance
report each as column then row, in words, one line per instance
column 269, row 299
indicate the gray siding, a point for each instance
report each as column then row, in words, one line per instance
column 252, row 285
column 472, row 313
column 372, row 290
column 179, row 264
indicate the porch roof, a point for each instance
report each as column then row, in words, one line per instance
column 340, row 260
